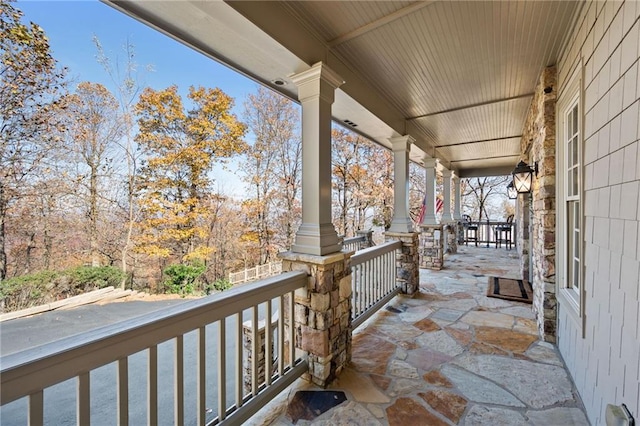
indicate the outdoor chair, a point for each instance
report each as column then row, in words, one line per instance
column 503, row 233
column 470, row 230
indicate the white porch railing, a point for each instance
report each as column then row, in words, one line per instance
column 353, row 243
column 256, row 273
column 373, row 280
column 206, row 333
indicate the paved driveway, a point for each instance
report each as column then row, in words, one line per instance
column 20, row 334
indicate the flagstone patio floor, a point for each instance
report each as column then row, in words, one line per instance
column 449, row 355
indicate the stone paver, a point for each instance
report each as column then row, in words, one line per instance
column 449, row 355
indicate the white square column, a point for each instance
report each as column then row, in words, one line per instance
column 457, row 199
column 401, row 222
column 446, row 200
column 430, row 168
column 316, row 91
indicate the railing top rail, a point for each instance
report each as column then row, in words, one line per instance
column 25, row 372
column 369, row 253
column 356, row 239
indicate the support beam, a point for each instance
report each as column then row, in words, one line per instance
column 430, row 167
column 401, row 222
column 316, row 91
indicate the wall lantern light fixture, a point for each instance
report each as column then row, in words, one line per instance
column 523, row 177
column 511, row 191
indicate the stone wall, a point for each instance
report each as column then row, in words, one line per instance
column 322, row 317
column 538, row 145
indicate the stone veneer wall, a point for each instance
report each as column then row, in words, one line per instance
column 322, row 317
column 538, row 144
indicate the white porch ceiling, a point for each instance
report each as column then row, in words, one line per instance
column 456, row 75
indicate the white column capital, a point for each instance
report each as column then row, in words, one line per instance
column 402, row 143
column 319, row 80
column 430, row 162
column 447, row 174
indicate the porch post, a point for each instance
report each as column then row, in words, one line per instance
column 316, row 91
column 430, row 166
column 457, row 214
column 446, row 204
column 401, row 221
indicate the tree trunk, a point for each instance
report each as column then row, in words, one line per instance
column 3, row 215
column 93, row 216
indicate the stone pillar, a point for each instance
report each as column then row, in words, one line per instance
column 401, row 221
column 407, row 272
column 316, row 91
column 430, row 167
column 431, row 247
column 457, row 198
column 446, row 201
column 322, row 318
column 368, row 239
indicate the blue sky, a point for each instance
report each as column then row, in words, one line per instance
column 71, row 26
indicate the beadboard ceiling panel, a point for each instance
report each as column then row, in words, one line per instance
column 458, row 76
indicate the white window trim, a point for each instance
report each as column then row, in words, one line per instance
column 573, row 301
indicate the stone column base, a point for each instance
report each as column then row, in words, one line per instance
column 407, row 272
column 322, row 318
column 431, row 247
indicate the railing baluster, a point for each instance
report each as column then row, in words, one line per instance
column 268, row 338
column 123, row 391
column 201, row 381
column 36, row 409
column 222, row 369
column 281, row 336
column 239, row 375
column 152, row 387
column 178, row 385
column 292, row 343
column 84, row 399
column 254, row 350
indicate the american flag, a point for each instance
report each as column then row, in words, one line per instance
column 424, row 207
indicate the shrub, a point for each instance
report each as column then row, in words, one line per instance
column 183, row 278
column 219, row 285
column 86, row 277
column 48, row 286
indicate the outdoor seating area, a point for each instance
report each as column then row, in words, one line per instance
column 488, row 232
column 448, row 355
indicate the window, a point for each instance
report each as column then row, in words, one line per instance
column 569, row 196
column 572, row 208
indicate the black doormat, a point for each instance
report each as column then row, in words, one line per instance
column 510, row 289
column 307, row 405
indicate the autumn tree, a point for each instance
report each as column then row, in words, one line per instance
column 94, row 131
column 271, row 169
column 30, row 90
column 380, row 166
column 353, row 181
column 124, row 74
column 482, row 197
column 182, row 145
